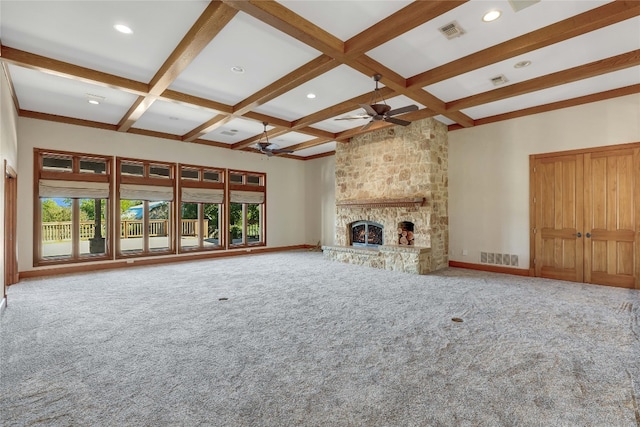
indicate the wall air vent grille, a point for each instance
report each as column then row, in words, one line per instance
column 451, row 30
column 498, row 259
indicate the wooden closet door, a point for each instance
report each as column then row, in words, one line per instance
column 612, row 217
column 558, row 204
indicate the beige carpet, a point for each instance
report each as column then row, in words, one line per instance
column 292, row 339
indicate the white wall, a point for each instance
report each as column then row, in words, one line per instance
column 321, row 200
column 489, row 170
column 8, row 149
column 286, row 178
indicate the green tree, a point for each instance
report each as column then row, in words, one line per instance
column 88, row 209
column 53, row 212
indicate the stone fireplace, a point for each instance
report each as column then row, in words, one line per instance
column 396, row 178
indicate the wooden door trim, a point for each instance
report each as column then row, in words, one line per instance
column 10, row 227
column 592, row 150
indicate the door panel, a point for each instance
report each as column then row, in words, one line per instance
column 611, row 218
column 596, row 194
column 559, row 250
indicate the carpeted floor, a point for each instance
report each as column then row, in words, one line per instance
column 292, row 339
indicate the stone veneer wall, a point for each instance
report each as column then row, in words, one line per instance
column 395, row 163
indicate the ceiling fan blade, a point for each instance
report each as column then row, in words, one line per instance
column 397, row 121
column 370, row 111
column 282, row 151
column 367, row 126
column 352, row 117
column 402, row 110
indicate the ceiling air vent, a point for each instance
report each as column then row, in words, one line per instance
column 518, row 5
column 452, row 30
column 499, row 80
column 226, row 132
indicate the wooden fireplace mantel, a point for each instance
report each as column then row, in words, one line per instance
column 406, row 202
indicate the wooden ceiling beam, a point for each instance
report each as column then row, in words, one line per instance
column 396, row 82
column 190, row 100
column 70, row 71
column 207, row 26
column 303, row 74
column 587, row 99
column 207, row 127
column 309, row 144
column 406, row 19
column 273, row 133
column 214, row 18
column 609, row 14
column 285, row 20
column 596, row 68
column 279, row 17
column 341, row 108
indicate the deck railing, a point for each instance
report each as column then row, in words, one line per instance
column 61, row 231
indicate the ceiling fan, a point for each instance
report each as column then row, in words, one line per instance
column 265, row 147
column 378, row 110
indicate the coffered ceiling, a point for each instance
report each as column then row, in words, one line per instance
column 211, row 72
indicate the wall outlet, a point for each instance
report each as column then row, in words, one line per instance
column 129, row 261
column 465, row 252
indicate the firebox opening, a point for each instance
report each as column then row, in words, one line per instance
column 366, row 233
column 405, row 233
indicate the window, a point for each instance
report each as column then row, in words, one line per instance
column 92, row 207
column 247, row 194
column 201, row 208
column 72, row 209
column 145, row 217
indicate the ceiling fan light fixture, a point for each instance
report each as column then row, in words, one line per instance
column 491, row 15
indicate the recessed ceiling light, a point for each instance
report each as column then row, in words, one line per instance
column 94, row 102
column 522, row 64
column 237, row 69
column 311, row 95
column 123, row 29
column 492, row 15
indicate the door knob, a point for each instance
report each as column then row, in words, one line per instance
column 588, row 234
column 578, row 234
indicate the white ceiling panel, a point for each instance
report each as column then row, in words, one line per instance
column 236, row 130
column 173, row 118
column 52, row 49
column 335, row 86
column 626, row 77
column 427, row 48
column 344, row 19
column 82, row 33
column 318, row 149
column 46, row 93
column 290, row 138
column 597, row 45
column 264, row 54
